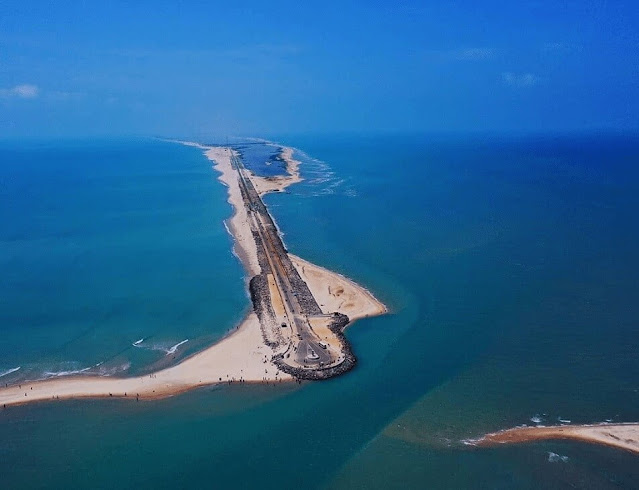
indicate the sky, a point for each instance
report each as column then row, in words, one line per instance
column 192, row 69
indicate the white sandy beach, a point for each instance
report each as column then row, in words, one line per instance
column 335, row 292
column 241, row 356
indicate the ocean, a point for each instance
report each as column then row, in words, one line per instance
column 107, row 245
column 509, row 264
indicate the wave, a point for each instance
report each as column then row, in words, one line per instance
column 536, row 419
column 9, row 371
column 174, row 348
column 556, row 458
column 104, row 371
column 470, row 442
column 321, row 180
column 563, row 421
column 142, row 344
column 57, row 374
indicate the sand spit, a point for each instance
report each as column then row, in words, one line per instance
column 335, row 292
column 242, row 356
column 622, row 436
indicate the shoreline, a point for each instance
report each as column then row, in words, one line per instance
column 365, row 305
column 241, row 355
column 621, row 436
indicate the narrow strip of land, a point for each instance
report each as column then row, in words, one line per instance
column 301, row 351
column 621, row 436
column 259, row 350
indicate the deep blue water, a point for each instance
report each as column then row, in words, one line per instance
column 509, row 265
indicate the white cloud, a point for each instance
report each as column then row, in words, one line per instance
column 58, row 95
column 24, row 91
column 561, row 48
column 519, row 80
column 478, row 53
column 244, row 51
column 473, row 54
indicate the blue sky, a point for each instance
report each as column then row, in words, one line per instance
column 262, row 68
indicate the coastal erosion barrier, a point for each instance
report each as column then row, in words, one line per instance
column 316, row 374
column 261, row 299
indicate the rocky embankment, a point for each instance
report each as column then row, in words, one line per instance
column 337, row 327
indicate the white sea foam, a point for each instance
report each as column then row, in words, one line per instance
column 161, row 346
column 556, row 458
column 110, row 371
column 536, row 419
column 174, row 348
column 9, row 371
column 470, row 442
column 322, row 179
column 563, row 421
column 158, row 346
column 57, row 374
column 317, row 173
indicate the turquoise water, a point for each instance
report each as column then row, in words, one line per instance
column 104, row 244
column 509, row 265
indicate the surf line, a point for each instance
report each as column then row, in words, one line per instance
column 174, row 348
column 10, row 371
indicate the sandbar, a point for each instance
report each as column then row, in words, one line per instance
column 622, row 436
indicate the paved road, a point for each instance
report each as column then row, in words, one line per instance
column 307, row 351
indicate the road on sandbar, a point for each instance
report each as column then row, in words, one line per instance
column 305, row 350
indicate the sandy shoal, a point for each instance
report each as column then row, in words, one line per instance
column 242, row 355
column 279, row 183
column 622, row 436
